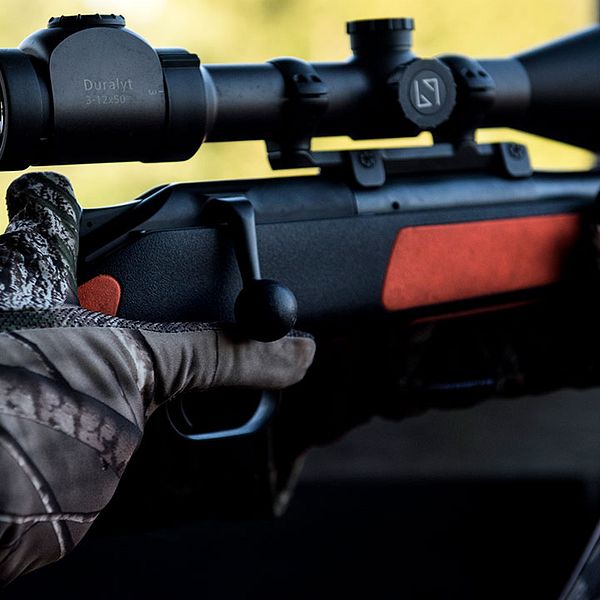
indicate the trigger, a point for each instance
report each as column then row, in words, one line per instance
column 101, row 294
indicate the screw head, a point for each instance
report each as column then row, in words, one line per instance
column 367, row 159
column 516, row 151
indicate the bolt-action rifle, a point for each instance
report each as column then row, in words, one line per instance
column 404, row 233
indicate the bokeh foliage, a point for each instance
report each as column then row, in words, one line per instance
column 256, row 30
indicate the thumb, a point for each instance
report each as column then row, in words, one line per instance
column 38, row 251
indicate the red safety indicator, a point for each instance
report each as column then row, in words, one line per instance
column 101, row 294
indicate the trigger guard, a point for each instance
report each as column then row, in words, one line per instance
column 263, row 413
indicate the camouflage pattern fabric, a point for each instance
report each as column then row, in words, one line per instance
column 77, row 387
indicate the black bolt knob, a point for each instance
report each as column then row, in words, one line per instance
column 266, row 310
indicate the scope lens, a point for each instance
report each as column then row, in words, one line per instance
column 24, row 111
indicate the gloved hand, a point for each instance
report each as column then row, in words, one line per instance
column 77, row 387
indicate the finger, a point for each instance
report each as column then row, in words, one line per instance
column 38, row 251
column 201, row 360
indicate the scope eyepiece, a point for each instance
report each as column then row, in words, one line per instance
column 86, row 89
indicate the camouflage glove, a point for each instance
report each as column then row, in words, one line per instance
column 76, row 387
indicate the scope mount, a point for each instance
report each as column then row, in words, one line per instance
column 425, row 93
column 369, row 168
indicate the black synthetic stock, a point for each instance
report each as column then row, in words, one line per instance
column 327, row 241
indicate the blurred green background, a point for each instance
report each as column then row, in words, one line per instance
column 257, row 30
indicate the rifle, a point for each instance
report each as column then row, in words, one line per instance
column 399, row 234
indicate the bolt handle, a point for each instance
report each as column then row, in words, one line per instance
column 265, row 310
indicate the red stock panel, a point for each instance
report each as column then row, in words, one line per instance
column 435, row 264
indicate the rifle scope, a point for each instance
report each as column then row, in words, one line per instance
column 87, row 89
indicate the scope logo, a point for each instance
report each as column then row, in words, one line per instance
column 427, row 92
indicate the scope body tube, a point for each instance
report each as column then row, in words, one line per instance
column 552, row 90
column 89, row 90
column 251, row 103
column 512, row 92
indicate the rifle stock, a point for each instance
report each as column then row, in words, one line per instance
column 419, row 244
